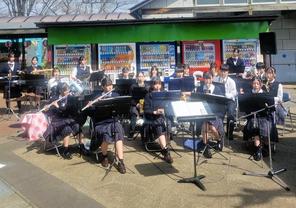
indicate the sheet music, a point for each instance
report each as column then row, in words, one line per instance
column 186, row 109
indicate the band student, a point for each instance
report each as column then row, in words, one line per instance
column 125, row 73
column 53, row 82
column 231, row 93
column 62, row 123
column 104, row 128
column 136, row 105
column 256, row 127
column 260, row 67
column 186, row 70
column 235, row 63
column 275, row 89
column 34, row 66
column 33, row 91
column 81, row 72
column 215, row 126
column 154, row 73
column 11, row 68
column 155, row 116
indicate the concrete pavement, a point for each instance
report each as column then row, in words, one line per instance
column 41, row 179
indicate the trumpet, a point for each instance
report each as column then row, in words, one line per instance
column 96, row 100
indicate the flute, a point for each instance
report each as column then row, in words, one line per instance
column 49, row 105
column 96, row 100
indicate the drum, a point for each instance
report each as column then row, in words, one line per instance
column 34, row 125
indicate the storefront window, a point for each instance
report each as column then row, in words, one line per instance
column 263, row 1
column 10, row 45
column 235, row 1
column 206, row 2
column 38, row 47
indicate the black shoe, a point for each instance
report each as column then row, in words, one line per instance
column 167, row 156
column 83, row 150
column 66, row 154
column 121, row 167
column 258, row 154
column 105, row 161
column 207, row 153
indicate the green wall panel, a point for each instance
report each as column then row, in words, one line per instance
column 156, row 32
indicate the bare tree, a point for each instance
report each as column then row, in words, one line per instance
column 59, row 7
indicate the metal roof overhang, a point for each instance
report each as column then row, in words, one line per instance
column 147, row 30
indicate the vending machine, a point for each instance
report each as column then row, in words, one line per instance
column 113, row 57
column 160, row 54
column 200, row 54
column 249, row 50
column 66, row 57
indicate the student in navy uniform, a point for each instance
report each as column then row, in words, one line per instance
column 215, row 126
column 154, row 73
column 235, row 63
column 34, row 66
column 136, row 105
column 231, row 93
column 155, row 115
column 81, row 72
column 125, row 73
column 275, row 89
column 33, row 69
column 260, row 67
column 186, row 70
column 62, row 124
column 104, row 129
column 256, row 127
column 11, row 68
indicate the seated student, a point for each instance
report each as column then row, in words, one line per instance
column 178, row 73
column 155, row 115
column 260, row 67
column 125, row 73
column 53, row 82
column 104, row 129
column 154, row 73
column 215, row 126
column 275, row 89
column 214, row 69
column 136, row 106
column 231, row 93
column 256, row 127
column 186, row 70
column 34, row 92
column 62, row 124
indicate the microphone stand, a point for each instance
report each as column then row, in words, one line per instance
column 272, row 174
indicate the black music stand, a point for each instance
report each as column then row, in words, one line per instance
column 187, row 84
column 175, row 84
column 139, row 92
column 192, row 112
column 256, row 103
column 115, row 107
column 124, row 85
column 96, row 77
column 217, row 104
